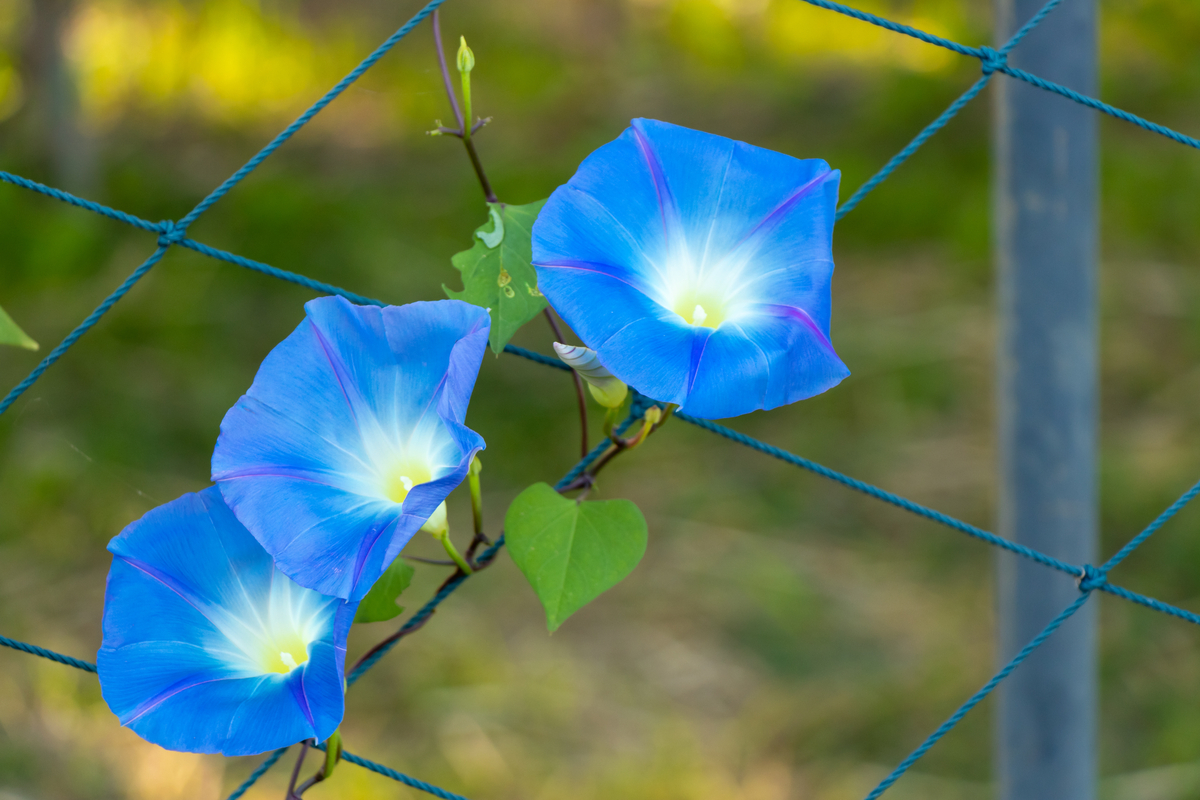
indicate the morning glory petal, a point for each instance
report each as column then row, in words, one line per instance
column 697, row 267
column 352, row 435
column 207, row 647
column 778, row 356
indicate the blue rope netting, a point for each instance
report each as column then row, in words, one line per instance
column 992, row 61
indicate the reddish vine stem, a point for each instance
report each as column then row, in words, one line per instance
column 404, row 629
column 584, row 482
column 291, row 790
column 479, row 539
column 468, row 142
column 583, row 415
column 437, row 36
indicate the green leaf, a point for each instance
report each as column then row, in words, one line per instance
column 572, row 552
column 497, row 273
column 380, row 603
column 11, row 334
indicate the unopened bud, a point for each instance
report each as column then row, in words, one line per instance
column 466, row 59
column 437, row 524
column 653, row 415
column 608, row 389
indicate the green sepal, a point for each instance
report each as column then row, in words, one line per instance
column 571, row 552
column 380, row 603
column 333, row 753
column 610, row 393
column 615, row 416
column 11, row 333
column 497, row 273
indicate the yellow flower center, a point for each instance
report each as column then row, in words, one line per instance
column 698, row 309
column 284, row 653
column 402, row 478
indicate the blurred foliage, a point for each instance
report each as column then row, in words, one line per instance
column 783, row 638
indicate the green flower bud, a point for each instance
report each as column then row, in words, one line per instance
column 608, row 390
column 437, row 524
column 466, row 59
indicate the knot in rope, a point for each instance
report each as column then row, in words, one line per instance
column 170, row 233
column 992, row 60
column 1091, row 579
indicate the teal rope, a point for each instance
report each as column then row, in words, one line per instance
column 418, row 619
column 1149, row 602
column 258, row 773
column 1096, row 576
column 170, row 233
column 978, row 697
column 82, row 328
column 912, row 147
column 896, row 27
column 881, row 494
column 34, row 650
column 426, row 611
column 1101, row 106
column 313, row 110
column 1158, row 522
column 175, row 232
column 407, row 780
column 1028, row 27
column 67, row 197
column 280, row 274
column 991, row 61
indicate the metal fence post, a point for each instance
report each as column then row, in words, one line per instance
column 1045, row 207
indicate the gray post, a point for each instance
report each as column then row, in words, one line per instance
column 1046, row 239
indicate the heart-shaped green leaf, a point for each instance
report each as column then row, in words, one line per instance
column 572, row 552
column 497, row 273
column 380, row 603
column 11, row 333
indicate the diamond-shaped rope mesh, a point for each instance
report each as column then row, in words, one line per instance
column 992, row 61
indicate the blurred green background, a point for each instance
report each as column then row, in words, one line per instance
column 784, row 637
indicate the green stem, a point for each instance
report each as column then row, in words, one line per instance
column 476, row 494
column 452, row 551
column 469, row 120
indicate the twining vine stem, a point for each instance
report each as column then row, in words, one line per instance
column 584, row 481
column 583, row 415
column 463, row 132
column 619, row 445
column 291, row 791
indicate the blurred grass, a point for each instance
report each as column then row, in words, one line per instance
column 784, row 638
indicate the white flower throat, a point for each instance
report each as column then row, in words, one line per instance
column 272, row 634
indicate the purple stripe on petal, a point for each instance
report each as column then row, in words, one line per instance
column 354, row 403
column 666, row 202
column 664, row 217
column 776, row 216
column 699, row 343
column 801, row 316
column 187, row 593
column 295, row 684
column 182, row 685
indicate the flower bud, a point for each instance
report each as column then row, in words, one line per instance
column 437, row 524
column 608, row 390
column 466, row 59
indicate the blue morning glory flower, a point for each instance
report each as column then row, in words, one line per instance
column 697, row 268
column 210, row 649
column 352, row 435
